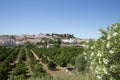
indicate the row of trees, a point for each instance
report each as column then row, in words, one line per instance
column 36, row 68
column 5, row 66
column 4, row 53
column 40, row 55
column 61, row 56
column 20, row 69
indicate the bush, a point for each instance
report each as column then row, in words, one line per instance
column 20, row 69
column 19, row 77
column 80, row 63
column 51, row 65
column 104, row 54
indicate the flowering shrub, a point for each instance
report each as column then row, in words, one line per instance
column 103, row 54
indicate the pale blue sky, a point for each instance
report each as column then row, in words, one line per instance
column 82, row 18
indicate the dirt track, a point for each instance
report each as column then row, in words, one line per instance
column 54, row 74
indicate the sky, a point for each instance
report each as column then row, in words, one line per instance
column 83, row 18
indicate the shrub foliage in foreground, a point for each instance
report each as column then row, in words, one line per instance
column 80, row 63
column 103, row 54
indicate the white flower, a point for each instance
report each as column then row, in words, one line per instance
column 98, row 68
column 91, row 47
column 108, row 37
column 96, row 71
column 105, row 70
column 84, row 53
column 87, row 46
column 105, row 61
column 92, row 54
column 92, row 62
column 112, row 68
column 91, row 67
column 85, row 57
column 99, row 77
column 111, row 51
column 115, row 34
column 100, row 61
column 108, row 45
column 99, row 54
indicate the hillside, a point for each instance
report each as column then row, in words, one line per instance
column 42, row 38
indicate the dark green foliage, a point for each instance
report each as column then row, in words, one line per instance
column 51, row 65
column 80, row 63
column 57, row 43
column 5, row 52
column 61, row 56
column 37, row 69
column 63, row 63
column 22, row 55
column 57, row 56
column 4, row 66
column 19, row 77
column 20, row 69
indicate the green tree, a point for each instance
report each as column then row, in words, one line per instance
column 80, row 63
column 51, row 65
column 57, row 43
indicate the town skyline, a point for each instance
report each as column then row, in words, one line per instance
column 14, row 40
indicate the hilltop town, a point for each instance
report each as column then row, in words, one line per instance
column 65, row 39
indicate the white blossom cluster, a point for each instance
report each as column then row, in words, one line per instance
column 101, row 53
